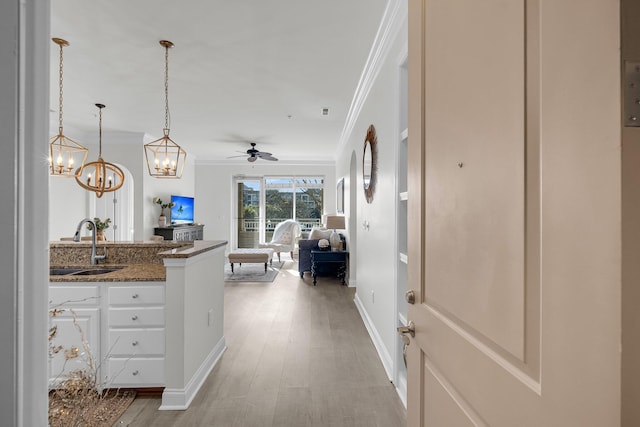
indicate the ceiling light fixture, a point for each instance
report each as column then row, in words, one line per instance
column 165, row 158
column 67, row 153
column 100, row 176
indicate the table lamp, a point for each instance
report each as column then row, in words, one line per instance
column 336, row 222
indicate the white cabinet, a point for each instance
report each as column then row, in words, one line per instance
column 118, row 327
column 135, row 335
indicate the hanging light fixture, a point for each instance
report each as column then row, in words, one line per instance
column 165, row 158
column 65, row 155
column 100, row 176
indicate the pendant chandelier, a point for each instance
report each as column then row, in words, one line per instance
column 100, row 176
column 165, row 158
column 66, row 157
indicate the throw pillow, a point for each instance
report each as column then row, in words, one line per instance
column 317, row 233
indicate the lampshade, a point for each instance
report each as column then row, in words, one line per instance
column 334, row 221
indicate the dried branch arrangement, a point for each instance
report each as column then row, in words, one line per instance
column 80, row 399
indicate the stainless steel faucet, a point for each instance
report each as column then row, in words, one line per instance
column 76, row 238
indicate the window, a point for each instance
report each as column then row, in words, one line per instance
column 264, row 202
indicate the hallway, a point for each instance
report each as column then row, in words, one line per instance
column 297, row 355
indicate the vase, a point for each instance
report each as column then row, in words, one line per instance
column 162, row 221
column 335, row 240
column 100, row 236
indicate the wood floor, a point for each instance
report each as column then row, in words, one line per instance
column 297, row 355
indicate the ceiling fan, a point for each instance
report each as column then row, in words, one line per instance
column 254, row 154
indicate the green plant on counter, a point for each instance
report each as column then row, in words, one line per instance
column 163, row 206
column 100, row 225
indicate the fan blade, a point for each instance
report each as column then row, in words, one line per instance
column 233, row 157
column 263, row 154
column 269, row 158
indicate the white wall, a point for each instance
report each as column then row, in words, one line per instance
column 214, row 190
column 69, row 203
column 375, row 260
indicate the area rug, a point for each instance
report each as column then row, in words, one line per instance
column 69, row 409
column 251, row 272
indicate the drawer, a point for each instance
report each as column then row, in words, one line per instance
column 132, row 372
column 136, row 295
column 80, row 295
column 136, row 317
column 132, row 342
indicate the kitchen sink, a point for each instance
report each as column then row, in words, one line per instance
column 92, row 271
column 82, row 271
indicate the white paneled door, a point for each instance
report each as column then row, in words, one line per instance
column 514, row 213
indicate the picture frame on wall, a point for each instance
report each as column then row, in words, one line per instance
column 340, row 196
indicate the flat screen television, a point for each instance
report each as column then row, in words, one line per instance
column 182, row 210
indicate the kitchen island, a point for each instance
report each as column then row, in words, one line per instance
column 156, row 320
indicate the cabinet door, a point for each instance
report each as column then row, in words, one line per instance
column 77, row 337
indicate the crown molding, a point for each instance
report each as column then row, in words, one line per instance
column 394, row 16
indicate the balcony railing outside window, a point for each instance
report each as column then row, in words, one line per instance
column 249, row 229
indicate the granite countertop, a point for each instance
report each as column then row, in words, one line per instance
column 134, row 272
column 198, row 247
column 129, row 273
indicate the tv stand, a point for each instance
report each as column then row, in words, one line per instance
column 181, row 232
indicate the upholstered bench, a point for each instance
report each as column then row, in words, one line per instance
column 251, row 255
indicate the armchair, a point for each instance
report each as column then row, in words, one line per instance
column 284, row 237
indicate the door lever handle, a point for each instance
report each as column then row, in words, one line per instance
column 409, row 329
column 404, row 330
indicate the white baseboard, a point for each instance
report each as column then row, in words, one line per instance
column 401, row 389
column 180, row 399
column 383, row 354
column 352, row 283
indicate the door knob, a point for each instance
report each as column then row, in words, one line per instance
column 410, row 296
column 409, row 329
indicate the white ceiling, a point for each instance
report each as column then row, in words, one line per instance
column 241, row 70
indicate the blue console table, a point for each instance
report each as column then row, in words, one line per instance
column 322, row 259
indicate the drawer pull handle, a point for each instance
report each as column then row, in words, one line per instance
column 134, row 317
column 134, row 296
column 135, row 343
column 135, row 372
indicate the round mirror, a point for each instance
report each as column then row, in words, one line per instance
column 369, row 163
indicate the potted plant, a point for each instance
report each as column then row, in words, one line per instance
column 162, row 220
column 100, row 227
